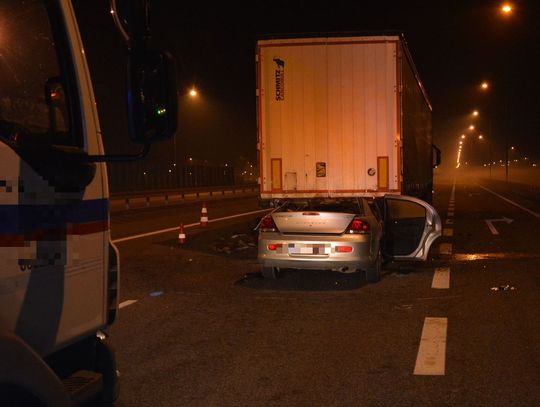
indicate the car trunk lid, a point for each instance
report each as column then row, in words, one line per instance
column 312, row 222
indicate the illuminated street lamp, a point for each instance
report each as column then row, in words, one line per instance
column 475, row 113
column 463, row 136
column 480, row 137
column 506, row 8
column 471, row 127
column 193, row 92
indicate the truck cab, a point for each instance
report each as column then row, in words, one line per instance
column 59, row 276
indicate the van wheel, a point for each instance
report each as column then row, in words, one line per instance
column 373, row 273
column 269, row 273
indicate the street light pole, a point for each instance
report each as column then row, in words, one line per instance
column 506, row 156
column 490, row 158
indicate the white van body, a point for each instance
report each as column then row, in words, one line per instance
column 58, row 270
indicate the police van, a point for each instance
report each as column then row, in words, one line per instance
column 59, row 271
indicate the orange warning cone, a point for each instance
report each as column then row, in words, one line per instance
column 181, row 235
column 204, row 215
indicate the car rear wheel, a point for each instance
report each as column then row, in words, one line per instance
column 269, row 273
column 373, row 273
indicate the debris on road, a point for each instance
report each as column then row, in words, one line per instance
column 236, row 243
column 503, row 288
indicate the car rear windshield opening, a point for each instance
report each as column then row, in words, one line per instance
column 324, row 205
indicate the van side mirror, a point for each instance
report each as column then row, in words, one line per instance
column 152, row 99
column 152, row 95
column 131, row 19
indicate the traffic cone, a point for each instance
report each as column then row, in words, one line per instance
column 181, row 235
column 204, row 215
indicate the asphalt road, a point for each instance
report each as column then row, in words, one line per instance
column 200, row 327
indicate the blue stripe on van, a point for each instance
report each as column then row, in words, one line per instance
column 29, row 219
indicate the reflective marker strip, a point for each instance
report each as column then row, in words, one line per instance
column 441, row 278
column 157, row 232
column 431, row 357
column 126, row 303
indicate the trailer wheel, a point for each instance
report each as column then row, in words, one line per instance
column 373, row 273
column 269, row 273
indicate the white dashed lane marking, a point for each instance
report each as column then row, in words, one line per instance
column 441, row 278
column 445, row 248
column 126, row 303
column 431, row 357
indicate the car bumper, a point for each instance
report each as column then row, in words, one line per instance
column 362, row 256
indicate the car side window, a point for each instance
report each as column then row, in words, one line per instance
column 33, row 102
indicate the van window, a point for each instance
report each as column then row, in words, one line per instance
column 33, row 102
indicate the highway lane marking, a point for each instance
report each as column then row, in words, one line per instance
column 537, row 215
column 441, row 278
column 157, row 232
column 450, row 213
column 431, row 357
column 448, row 232
column 126, row 303
column 445, row 248
column 449, row 221
column 491, row 226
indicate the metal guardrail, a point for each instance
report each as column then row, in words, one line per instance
column 176, row 195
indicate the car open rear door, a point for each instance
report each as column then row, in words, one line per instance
column 410, row 227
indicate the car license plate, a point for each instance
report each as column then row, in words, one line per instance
column 309, row 248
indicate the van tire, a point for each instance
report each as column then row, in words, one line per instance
column 269, row 273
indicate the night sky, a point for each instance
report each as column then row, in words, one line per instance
column 455, row 45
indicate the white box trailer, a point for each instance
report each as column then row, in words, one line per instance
column 341, row 117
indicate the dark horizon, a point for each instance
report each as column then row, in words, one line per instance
column 454, row 46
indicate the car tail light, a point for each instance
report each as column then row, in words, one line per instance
column 274, row 246
column 344, row 249
column 358, row 226
column 267, row 224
